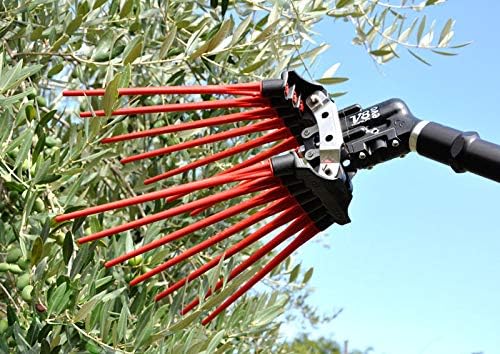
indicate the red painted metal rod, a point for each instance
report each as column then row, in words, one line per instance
column 282, row 219
column 188, row 187
column 251, row 88
column 291, row 230
column 302, row 238
column 254, row 114
column 285, row 145
column 278, row 134
column 263, row 183
column 184, row 208
column 254, row 128
column 183, row 107
column 274, row 208
column 260, row 199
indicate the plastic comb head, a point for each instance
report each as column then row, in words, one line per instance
column 291, row 193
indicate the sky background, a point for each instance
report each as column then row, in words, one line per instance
column 418, row 269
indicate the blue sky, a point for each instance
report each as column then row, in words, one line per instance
column 418, row 269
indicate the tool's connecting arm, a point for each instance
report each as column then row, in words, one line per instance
column 388, row 130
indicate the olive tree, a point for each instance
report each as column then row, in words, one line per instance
column 57, row 296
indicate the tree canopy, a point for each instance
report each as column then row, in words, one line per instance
column 56, row 296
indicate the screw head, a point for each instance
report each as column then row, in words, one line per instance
column 395, row 143
column 362, row 155
column 309, row 154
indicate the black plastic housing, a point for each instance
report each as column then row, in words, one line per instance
column 376, row 134
column 325, row 201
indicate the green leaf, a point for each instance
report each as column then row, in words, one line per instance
column 241, row 29
column 421, row 29
column 85, row 309
column 403, row 37
column 126, row 8
column 133, row 50
column 125, row 77
column 308, row 275
column 67, row 247
column 167, row 43
column 444, row 53
column 221, row 34
column 332, row 80
column 380, row 52
column 111, row 94
column 102, row 51
column 268, row 315
column 446, row 30
column 343, row 3
column 24, row 150
column 74, row 25
column 415, row 55
column 122, row 323
column 58, row 299
column 36, row 251
column 294, row 273
column 460, row 45
column 330, row 72
column 215, row 341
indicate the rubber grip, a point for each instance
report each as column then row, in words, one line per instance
column 463, row 151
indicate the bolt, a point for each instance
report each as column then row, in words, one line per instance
column 309, row 154
column 306, row 133
column 362, row 155
column 314, row 98
column 395, row 143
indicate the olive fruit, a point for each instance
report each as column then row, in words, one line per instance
column 26, row 293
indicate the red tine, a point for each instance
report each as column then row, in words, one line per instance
column 260, row 183
column 260, row 199
column 252, row 88
column 278, row 134
column 287, row 144
column 274, row 208
column 254, row 128
column 182, row 107
column 269, row 182
column 215, row 198
column 254, row 114
column 302, row 238
column 292, row 229
column 250, row 173
column 285, row 217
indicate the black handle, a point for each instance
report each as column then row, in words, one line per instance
column 463, row 151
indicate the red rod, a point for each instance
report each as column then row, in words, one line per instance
column 257, row 113
column 262, row 183
column 247, row 88
column 282, row 219
column 219, row 197
column 188, row 187
column 263, row 198
column 276, row 135
column 292, row 229
column 302, row 238
column 253, row 128
column 274, row 208
column 285, row 145
column 183, row 107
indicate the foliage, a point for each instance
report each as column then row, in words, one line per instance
column 57, row 297
column 304, row 345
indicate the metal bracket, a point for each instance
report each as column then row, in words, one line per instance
column 330, row 134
